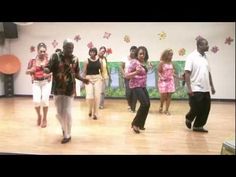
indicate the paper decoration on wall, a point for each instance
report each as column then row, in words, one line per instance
column 32, row 49
column 228, row 40
column 127, row 38
column 182, row 52
column 106, row 35
column 198, row 37
column 77, row 38
column 215, row 49
column 162, row 35
column 90, row 45
column 54, row 43
column 108, row 51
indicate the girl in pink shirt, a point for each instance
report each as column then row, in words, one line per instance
column 137, row 73
column 166, row 84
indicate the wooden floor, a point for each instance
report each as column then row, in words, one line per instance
column 111, row 133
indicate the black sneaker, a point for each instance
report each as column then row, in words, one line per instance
column 188, row 123
column 200, row 129
column 65, row 140
column 142, row 128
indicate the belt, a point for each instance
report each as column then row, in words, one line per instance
column 40, row 79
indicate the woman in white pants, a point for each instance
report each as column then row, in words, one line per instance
column 92, row 71
column 105, row 75
column 41, row 83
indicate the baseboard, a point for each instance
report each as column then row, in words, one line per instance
column 122, row 98
column 223, row 100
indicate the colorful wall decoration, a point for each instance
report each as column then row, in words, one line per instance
column 116, row 88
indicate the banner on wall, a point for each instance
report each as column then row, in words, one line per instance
column 116, row 88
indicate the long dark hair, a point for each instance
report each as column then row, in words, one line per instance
column 146, row 53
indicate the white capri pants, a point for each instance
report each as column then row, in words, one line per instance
column 93, row 89
column 41, row 93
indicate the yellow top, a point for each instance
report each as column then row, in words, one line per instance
column 104, row 68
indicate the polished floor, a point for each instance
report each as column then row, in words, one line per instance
column 111, row 133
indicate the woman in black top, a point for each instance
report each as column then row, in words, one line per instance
column 92, row 71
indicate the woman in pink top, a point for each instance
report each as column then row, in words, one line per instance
column 166, row 84
column 137, row 73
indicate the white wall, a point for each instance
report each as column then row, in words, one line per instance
column 1, row 85
column 3, row 50
column 179, row 35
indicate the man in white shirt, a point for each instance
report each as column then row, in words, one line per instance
column 199, row 83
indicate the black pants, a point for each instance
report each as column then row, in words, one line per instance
column 130, row 96
column 141, row 115
column 200, row 104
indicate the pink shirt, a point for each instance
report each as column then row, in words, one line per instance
column 140, row 79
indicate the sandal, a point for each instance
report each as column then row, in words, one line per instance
column 44, row 124
column 160, row 110
column 167, row 113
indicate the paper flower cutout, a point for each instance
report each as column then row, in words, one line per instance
column 109, row 51
column 106, row 35
column 77, row 38
column 162, row 35
column 198, row 37
column 228, row 40
column 54, row 43
column 182, row 52
column 90, row 45
column 32, row 49
column 215, row 49
column 127, row 38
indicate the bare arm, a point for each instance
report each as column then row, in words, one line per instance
column 122, row 69
column 51, row 63
column 84, row 69
column 79, row 77
column 174, row 71
column 160, row 67
column 187, row 80
column 101, row 69
column 108, row 72
column 30, row 69
column 132, row 74
column 149, row 64
column 211, row 84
